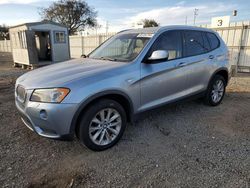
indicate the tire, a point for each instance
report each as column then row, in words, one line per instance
column 102, row 125
column 213, row 88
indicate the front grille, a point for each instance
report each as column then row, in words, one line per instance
column 21, row 93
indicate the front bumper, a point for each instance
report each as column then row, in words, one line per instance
column 47, row 119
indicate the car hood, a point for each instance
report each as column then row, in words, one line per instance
column 60, row 74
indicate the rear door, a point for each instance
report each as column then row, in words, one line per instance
column 197, row 59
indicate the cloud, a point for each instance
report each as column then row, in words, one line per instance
column 18, row 1
column 102, row 24
column 123, row 18
column 177, row 14
column 169, row 15
column 19, row 21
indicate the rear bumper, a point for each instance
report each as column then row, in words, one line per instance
column 48, row 120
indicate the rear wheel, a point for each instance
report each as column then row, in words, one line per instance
column 102, row 125
column 216, row 91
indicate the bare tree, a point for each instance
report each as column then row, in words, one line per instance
column 150, row 23
column 75, row 14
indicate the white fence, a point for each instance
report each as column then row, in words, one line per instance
column 236, row 36
column 5, row 46
column 80, row 45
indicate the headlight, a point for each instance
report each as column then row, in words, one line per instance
column 53, row 95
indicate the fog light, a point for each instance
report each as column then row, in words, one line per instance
column 43, row 114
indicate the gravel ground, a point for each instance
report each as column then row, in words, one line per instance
column 182, row 145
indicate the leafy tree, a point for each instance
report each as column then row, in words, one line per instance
column 75, row 14
column 4, row 32
column 150, row 23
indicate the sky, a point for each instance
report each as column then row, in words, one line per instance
column 123, row 14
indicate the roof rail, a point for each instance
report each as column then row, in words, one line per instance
column 124, row 30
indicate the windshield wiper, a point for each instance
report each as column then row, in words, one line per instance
column 108, row 58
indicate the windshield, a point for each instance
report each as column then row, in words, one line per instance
column 122, row 47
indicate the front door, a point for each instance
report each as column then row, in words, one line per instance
column 167, row 80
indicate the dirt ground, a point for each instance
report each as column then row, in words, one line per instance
column 182, row 145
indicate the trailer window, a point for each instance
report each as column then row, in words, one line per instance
column 59, row 37
column 22, row 39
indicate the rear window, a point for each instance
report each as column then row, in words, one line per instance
column 206, row 42
column 213, row 40
column 194, row 43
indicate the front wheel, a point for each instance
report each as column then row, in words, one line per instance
column 102, row 125
column 216, row 90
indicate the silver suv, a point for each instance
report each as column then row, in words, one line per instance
column 134, row 71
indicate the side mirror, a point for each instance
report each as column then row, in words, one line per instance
column 158, row 55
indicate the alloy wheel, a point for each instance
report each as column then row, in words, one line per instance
column 217, row 91
column 105, row 126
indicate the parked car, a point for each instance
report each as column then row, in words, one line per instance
column 134, row 71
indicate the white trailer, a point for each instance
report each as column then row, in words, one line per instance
column 39, row 43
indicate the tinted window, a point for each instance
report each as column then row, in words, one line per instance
column 206, row 42
column 213, row 40
column 194, row 43
column 170, row 41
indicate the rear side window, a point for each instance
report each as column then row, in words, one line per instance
column 206, row 42
column 213, row 40
column 194, row 43
column 170, row 41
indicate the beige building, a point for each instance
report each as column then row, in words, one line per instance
column 39, row 43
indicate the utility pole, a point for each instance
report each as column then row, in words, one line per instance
column 195, row 14
column 186, row 20
column 107, row 27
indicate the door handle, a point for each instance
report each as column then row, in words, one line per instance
column 211, row 57
column 182, row 64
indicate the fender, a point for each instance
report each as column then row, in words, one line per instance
column 96, row 96
column 218, row 70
